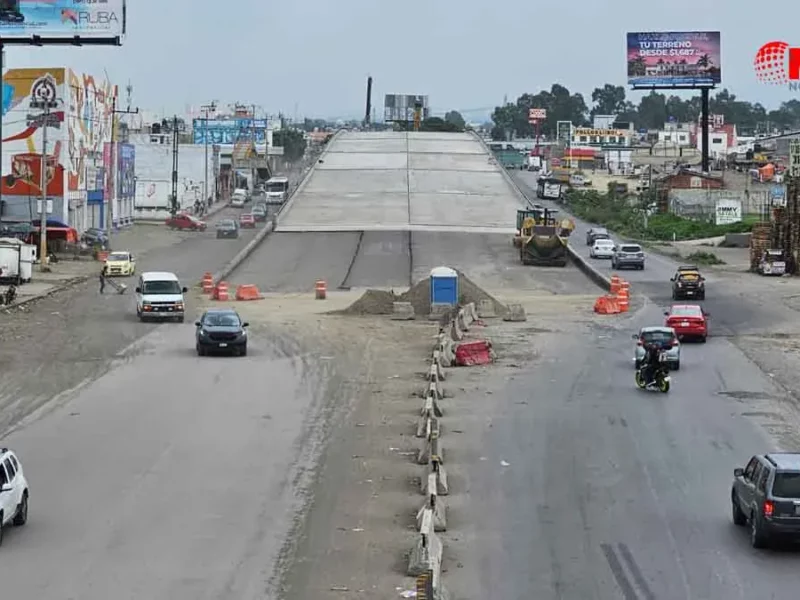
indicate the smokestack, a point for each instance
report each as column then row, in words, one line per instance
column 368, row 114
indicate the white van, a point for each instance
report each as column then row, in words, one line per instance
column 159, row 295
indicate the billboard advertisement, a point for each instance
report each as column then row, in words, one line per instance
column 23, row 19
column 400, row 107
column 228, row 131
column 674, row 59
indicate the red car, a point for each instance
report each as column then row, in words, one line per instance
column 184, row 221
column 247, row 221
column 688, row 321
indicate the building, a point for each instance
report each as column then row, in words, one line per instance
column 80, row 182
column 688, row 179
column 591, row 137
column 676, row 135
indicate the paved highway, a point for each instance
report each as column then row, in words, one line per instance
column 171, row 477
column 733, row 310
column 611, row 492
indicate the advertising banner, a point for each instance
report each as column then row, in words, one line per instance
column 108, row 184
column 728, row 210
column 228, row 131
column 23, row 19
column 674, row 59
column 127, row 171
column 401, row 107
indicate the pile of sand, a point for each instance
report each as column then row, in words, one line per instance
column 379, row 302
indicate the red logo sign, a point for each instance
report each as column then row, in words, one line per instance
column 777, row 63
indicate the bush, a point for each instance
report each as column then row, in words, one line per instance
column 622, row 215
column 704, row 258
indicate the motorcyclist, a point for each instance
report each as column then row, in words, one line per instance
column 652, row 353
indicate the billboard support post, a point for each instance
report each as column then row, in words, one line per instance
column 704, row 101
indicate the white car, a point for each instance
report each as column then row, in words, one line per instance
column 602, row 249
column 13, row 492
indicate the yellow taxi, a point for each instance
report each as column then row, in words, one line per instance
column 120, row 264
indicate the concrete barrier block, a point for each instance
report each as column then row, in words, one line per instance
column 472, row 312
column 426, row 555
column 435, row 390
column 438, row 311
column 461, row 321
column 516, row 313
column 402, row 311
column 456, row 334
column 432, row 502
column 431, row 408
column 442, row 485
column 486, row 309
column 431, row 446
column 436, row 365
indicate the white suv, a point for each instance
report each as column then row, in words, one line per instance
column 13, row 492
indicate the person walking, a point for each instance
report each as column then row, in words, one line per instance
column 103, row 279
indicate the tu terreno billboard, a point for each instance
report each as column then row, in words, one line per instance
column 674, row 59
column 27, row 21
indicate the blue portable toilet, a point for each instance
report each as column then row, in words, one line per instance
column 444, row 286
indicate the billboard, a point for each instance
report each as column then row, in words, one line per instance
column 674, row 59
column 228, row 131
column 400, row 107
column 23, row 19
column 126, row 188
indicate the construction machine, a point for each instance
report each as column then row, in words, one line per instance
column 531, row 216
column 543, row 240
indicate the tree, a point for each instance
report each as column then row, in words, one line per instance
column 652, row 111
column 454, row 118
column 292, row 141
column 439, row 124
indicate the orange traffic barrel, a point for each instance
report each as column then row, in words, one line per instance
column 221, row 292
column 207, row 283
column 320, row 290
column 623, row 296
column 615, row 283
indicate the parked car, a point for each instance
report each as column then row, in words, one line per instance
column 247, row 221
column 183, row 221
column 766, row 496
column 95, row 237
column 14, row 492
column 602, row 248
column 227, row 228
column 688, row 321
column 628, row 255
column 666, row 338
column 121, row 264
column 221, row 330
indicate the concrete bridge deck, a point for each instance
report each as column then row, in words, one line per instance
column 398, row 181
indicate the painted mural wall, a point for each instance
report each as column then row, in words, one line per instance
column 23, row 126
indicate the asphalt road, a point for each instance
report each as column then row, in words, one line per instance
column 69, row 338
column 292, row 262
column 171, row 477
column 608, row 491
column 733, row 310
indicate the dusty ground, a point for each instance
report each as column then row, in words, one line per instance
column 355, row 542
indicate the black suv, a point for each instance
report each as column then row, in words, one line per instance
column 766, row 495
column 688, row 283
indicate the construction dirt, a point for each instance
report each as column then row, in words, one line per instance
column 381, row 302
column 358, row 527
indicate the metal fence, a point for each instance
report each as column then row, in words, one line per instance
column 701, row 204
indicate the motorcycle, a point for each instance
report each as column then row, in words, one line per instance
column 661, row 378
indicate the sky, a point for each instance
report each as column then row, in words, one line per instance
column 312, row 57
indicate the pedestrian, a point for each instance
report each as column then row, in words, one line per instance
column 103, row 279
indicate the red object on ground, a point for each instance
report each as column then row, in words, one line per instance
column 478, row 352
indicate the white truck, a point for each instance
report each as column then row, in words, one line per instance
column 277, row 190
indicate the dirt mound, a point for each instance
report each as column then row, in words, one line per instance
column 372, row 302
column 380, row 302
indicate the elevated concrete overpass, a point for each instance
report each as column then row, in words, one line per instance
column 397, row 181
column 382, row 209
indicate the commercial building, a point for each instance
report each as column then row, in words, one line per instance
column 83, row 173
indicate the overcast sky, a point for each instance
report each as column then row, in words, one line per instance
column 313, row 56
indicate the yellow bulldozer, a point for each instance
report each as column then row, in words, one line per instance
column 541, row 237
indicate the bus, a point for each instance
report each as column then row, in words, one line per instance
column 277, row 190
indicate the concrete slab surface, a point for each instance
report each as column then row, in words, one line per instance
column 397, row 181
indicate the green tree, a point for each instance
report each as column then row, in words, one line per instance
column 292, row 141
column 454, row 118
column 609, row 100
column 439, row 124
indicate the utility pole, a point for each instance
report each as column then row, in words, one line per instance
column 114, row 162
column 174, row 207
column 46, row 99
column 206, row 108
